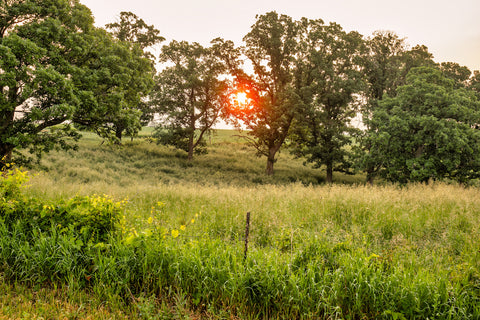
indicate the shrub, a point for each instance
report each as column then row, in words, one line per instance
column 91, row 218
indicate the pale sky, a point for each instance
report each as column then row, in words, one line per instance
column 449, row 28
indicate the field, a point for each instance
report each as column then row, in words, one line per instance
column 346, row 251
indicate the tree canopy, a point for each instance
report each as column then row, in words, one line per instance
column 59, row 70
column 38, row 92
column 271, row 48
column 386, row 63
column 427, row 131
column 190, row 95
column 134, row 32
column 330, row 73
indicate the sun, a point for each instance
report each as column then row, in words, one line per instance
column 241, row 98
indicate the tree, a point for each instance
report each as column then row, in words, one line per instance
column 271, row 48
column 427, row 131
column 114, row 80
column 37, row 92
column 418, row 56
column 460, row 74
column 331, row 70
column 383, row 64
column 189, row 96
column 383, row 69
column 386, row 66
column 133, row 30
column 57, row 70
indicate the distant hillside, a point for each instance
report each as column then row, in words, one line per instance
column 229, row 161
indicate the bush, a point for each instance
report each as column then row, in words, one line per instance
column 91, row 218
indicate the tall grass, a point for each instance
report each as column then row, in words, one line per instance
column 316, row 251
column 230, row 161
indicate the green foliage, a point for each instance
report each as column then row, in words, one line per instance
column 474, row 83
column 133, row 31
column 460, row 74
column 180, row 138
column 331, row 77
column 91, row 219
column 386, row 64
column 59, row 70
column 427, row 131
column 189, row 96
column 12, row 184
column 271, row 47
column 37, row 94
column 113, row 81
column 130, row 28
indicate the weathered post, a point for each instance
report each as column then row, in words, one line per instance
column 247, row 231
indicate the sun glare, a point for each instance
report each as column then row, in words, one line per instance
column 241, row 98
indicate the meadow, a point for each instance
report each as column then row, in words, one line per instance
column 175, row 245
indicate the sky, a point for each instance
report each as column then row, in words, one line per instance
column 449, row 28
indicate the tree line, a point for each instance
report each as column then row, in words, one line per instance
column 304, row 82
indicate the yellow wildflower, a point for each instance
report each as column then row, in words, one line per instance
column 175, row 233
column 182, row 227
column 373, row 256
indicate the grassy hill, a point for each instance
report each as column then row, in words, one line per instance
column 229, row 162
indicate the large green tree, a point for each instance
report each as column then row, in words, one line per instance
column 328, row 80
column 57, row 69
column 134, row 31
column 271, row 49
column 386, row 64
column 113, row 79
column 427, row 131
column 37, row 91
column 190, row 95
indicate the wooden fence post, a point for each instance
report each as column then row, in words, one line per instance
column 247, row 231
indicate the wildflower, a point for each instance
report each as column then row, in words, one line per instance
column 150, row 220
column 373, row 256
column 175, row 233
column 192, row 221
column 182, row 227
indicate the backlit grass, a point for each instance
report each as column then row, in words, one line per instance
column 230, row 161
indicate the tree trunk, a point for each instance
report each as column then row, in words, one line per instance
column 190, row 147
column 270, row 161
column 329, row 173
column 118, row 133
column 370, row 176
